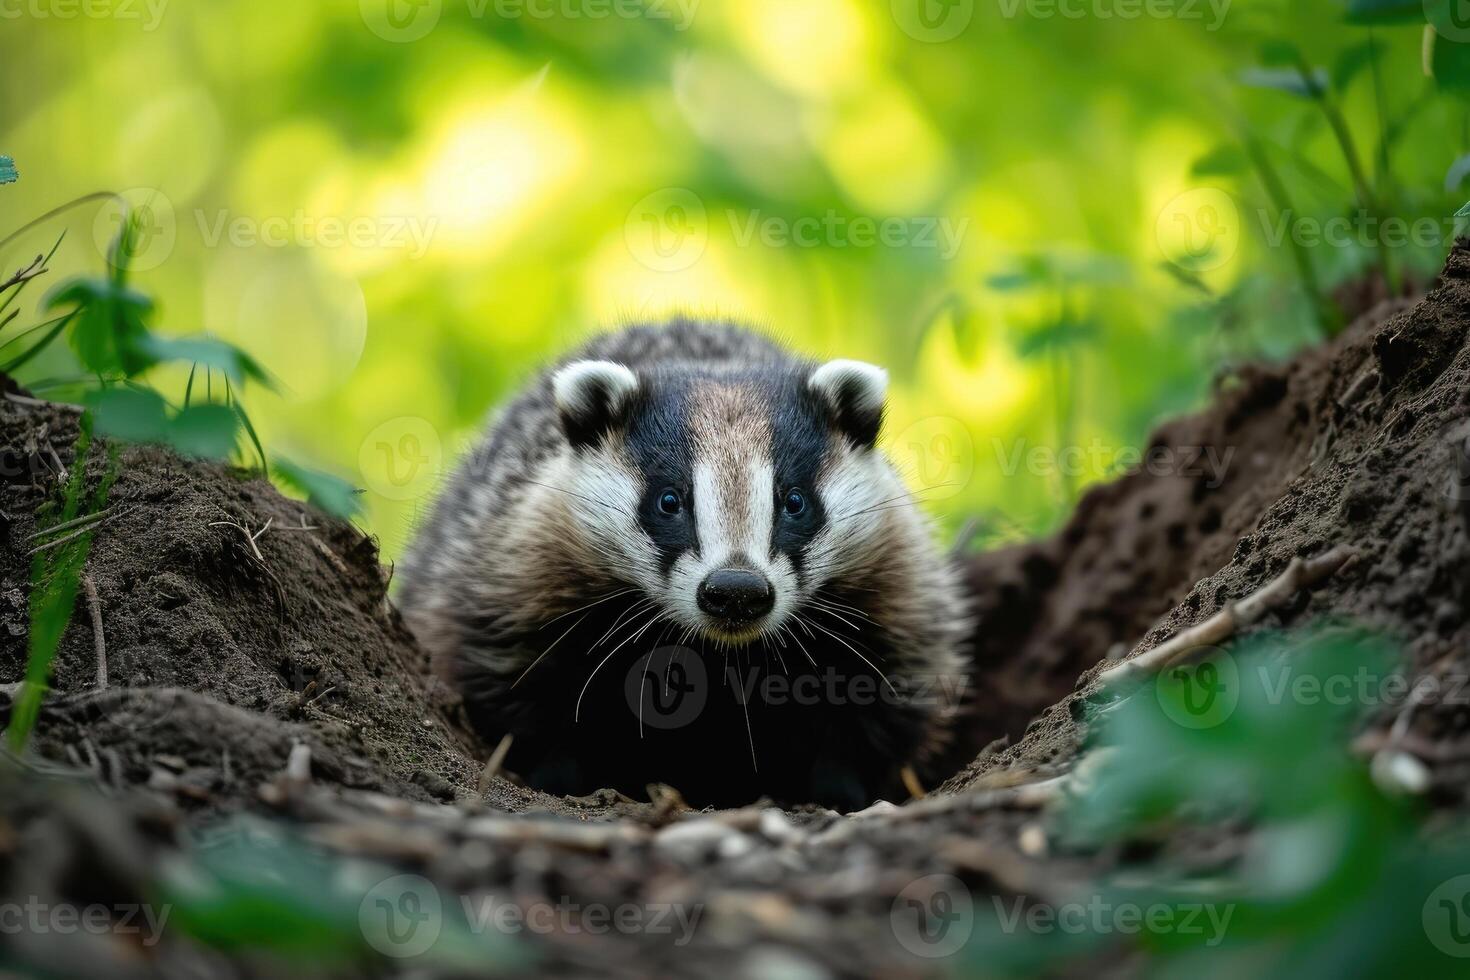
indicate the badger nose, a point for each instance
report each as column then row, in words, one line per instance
column 736, row 593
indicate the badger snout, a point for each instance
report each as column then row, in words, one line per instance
column 736, row 595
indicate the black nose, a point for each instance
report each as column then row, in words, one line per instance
column 736, row 593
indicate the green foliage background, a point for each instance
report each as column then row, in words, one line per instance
column 403, row 227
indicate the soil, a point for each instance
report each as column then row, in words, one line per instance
column 260, row 685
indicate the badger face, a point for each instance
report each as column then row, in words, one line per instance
column 728, row 497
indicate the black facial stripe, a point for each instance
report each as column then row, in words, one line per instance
column 799, row 433
column 658, row 442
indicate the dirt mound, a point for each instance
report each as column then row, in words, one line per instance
column 1360, row 442
column 254, row 667
column 235, row 624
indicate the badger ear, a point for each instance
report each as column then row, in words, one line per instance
column 592, row 398
column 853, row 392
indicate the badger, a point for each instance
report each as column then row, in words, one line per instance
column 679, row 557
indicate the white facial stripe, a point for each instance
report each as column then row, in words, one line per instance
column 734, row 504
column 602, row 493
column 861, row 492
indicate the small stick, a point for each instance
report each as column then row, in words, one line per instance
column 911, row 782
column 68, row 525
column 1227, row 622
column 38, row 403
column 1360, row 385
column 249, row 538
column 94, row 605
column 60, row 541
column 492, row 768
column 298, row 764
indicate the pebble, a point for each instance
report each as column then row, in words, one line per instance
column 774, row 826
column 698, row 840
column 1399, row 773
column 775, row 963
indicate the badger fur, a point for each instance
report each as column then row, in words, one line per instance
column 678, row 557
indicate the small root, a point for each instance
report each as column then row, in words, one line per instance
column 1300, row 574
column 94, row 606
column 492, row 767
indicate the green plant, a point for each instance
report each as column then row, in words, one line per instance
column 1254, row 807
column 1287, row 174
column 56, row 572
column 1062, row 334
column 107, row 323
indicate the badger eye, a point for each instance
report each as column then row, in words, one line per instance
column 795, row 502
column 669, row 502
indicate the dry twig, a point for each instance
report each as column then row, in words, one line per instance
column 1300, row 574
column 94, row 605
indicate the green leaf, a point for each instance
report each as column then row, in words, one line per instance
column 1385, row 11
column 1288, row 80
column 204, row 430
column 110, row 324
column 52, row 328
column 1187, row 277
column 1032, row 271
column 1277, row 53
column 1464, row 211
column 1457, row 173
column 1225, row 160
column 332, row 494
column 1352, row 61
column 1449, row 63
column 133, row 414
column 209, row 352
column 8, row 173
column 1058, row 336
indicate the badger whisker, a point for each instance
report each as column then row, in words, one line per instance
column 858, row 655
column 822, row 606
column 801, row 645
column 636, row 607
column 905, row 497
column 745, row 704
column 587, row 605
column 577, row 712
column 816, row 607
column 583, row 497
column 548, row 650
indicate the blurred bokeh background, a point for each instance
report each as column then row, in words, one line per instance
column 1056, row 221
